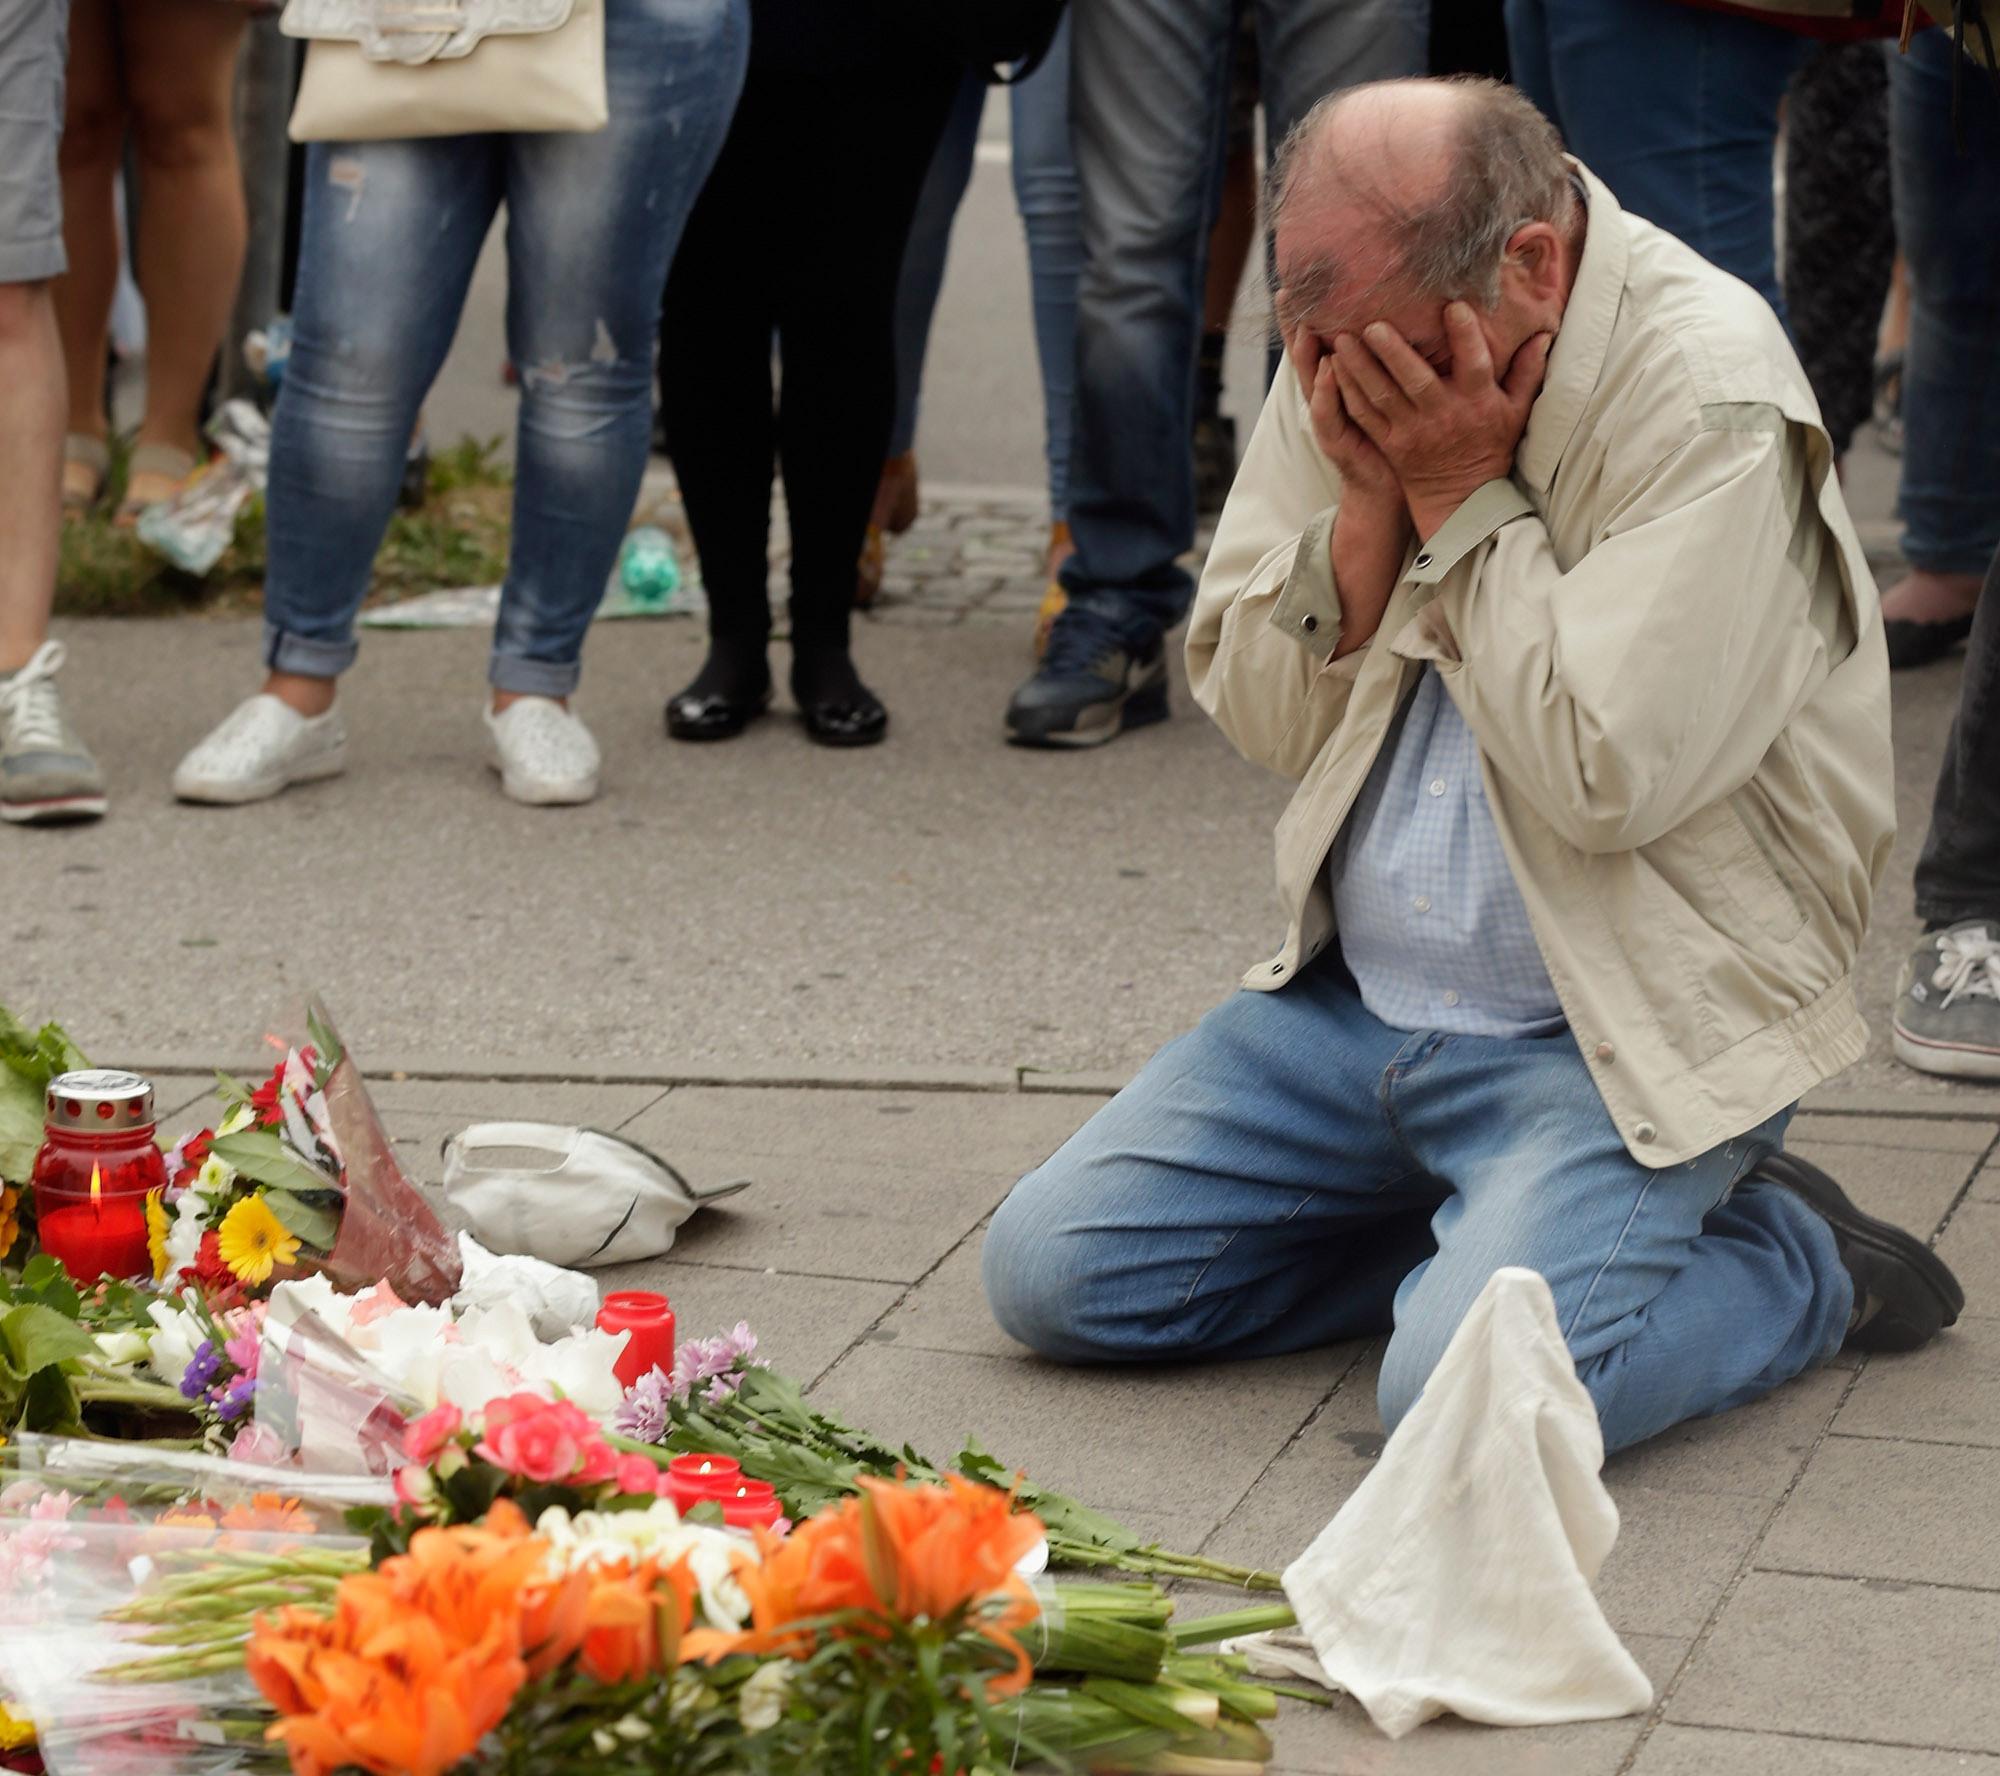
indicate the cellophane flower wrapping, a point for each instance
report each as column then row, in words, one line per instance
column 388, row 1232
column 89, row 1530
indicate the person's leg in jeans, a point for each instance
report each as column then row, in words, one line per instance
column 1947, row 1018
column 1296, row 1172
column 1673, row 107
column 1147, row 87
column 592, row 224
column 46, row 772
column 1948, row 219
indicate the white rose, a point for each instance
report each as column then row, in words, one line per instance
column 581, row 1365
column 170, row 1347
column 126, row 1347
column 762, row 1699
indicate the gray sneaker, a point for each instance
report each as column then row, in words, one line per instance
column 46, row 772
column 1948, row 1003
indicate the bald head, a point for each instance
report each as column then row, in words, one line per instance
column 1414, row 183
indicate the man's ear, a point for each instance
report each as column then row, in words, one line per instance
column 1534, row 255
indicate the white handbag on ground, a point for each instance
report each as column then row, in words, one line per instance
column 572, row 1196
column 380, row 70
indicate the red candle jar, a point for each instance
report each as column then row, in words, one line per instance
column 751, row 1503
column 695, row 1479
column 649, row 1321
column 97, row 1164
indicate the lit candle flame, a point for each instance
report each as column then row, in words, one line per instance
column 96, row 1186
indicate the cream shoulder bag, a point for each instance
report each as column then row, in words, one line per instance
column 381, row 69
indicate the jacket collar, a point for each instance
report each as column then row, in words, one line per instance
column 1583, row 339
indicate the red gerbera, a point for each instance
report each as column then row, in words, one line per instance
column 264, row 1100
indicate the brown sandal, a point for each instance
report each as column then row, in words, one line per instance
column 86, row 464
column 155, row 472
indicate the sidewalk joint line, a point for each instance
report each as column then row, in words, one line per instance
column 1839, row 1578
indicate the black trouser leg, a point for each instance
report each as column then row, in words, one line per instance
column 1958, row 875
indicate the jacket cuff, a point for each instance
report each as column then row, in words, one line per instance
column 1308, row 606
column 1485, row 510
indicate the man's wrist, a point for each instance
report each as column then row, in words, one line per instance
column 1431, row 508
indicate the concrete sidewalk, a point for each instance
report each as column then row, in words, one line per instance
column 1812, row 1582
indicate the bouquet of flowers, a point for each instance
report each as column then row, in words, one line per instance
column 298, row 1177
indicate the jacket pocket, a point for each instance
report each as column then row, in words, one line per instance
column 1742, row 862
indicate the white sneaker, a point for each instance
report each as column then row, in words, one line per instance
column 263, row 746
column 543, row 752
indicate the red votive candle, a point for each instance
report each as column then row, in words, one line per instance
column 694, row 1479
column 750, row 1503
column 105, row 1237
column 96, row 1166
column 649, row 1321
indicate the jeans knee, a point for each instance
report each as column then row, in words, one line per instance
column 1030, row 1298
column 1406, row 1367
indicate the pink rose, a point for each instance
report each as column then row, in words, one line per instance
column 259, row 1444
column 535, row 1438
column 416, row 1488
column 636, row 1474
column 424, row 1439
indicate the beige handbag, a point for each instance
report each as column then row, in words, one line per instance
column 380, row 70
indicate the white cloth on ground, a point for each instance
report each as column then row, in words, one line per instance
column 1458, row 1577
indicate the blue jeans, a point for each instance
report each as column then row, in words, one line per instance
column 1295, row 1171
column 1675, row 108
column 1948, row 218
column 1149, row 87
column 392, row 231
column 1045, row 195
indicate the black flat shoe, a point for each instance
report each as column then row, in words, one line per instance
column 713, row 717
column 1904, row 1293
column 1918, row 644
column 846, row 721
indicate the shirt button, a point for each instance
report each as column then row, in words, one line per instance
column 1422, row 903
column 1309, row 622
column 1450, row 997
column 1644, row 1133
column 1277, row 968
column 1437, row 786
column 1605, row 1052
column 1424, row 560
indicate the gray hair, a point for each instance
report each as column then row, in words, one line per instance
column 1505, row 169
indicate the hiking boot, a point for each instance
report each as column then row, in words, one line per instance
column 46, row 772
column 1904, row 1293
column 1947, row 1017
column 1089, row 688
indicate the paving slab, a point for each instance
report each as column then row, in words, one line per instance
column 589, row 1105
column 1677, row 1553
column 1986, row 1187
column 1948, row 1392
column 1908, row 1134
column 1866, row 1508
column 1005, row 1134
column 1912, row 1187
column 1342, row 1741
column 803, row 1323
column 1971, row 1246
column 947, row 1311
column 1186, row 1442
column 1876, row 1660
column 1756, row 1450
column 1708, row 1751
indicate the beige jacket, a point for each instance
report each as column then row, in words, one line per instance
column 1665, row 636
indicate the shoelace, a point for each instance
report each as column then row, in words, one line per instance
column 1968, row 964
column 1082, row 650
column 30, row 711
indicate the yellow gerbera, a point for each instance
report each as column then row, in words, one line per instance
column 15, row 1731
column 10, row 1223
column 156, row 1233
column 253, row 1242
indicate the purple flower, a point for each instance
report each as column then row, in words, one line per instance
column 721, row 1388
column 742, row 1347
column 642, row 1414
column 204, row 1368
column 234, row 1400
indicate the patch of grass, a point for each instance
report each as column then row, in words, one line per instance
column 458, row 537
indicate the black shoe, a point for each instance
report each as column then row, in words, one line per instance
column 1089, row 688
column 848, row 721
column 707, row 715
column 1918, row 644
column 1214, row 462
column 1904, row 1293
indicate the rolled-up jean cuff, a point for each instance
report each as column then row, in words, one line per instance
column 533, row 678
column 1972, row 558
column 285, row 652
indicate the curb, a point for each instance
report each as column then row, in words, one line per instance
column 1963, row 1104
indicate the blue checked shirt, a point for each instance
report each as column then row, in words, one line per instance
column 1430, row 921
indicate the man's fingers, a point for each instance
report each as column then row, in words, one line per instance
column 1401, row 359
column 1358, row 407
column 1471, row 362
column 1365, row 370
column 1530, row 366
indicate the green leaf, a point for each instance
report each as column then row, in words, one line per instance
column 48, row 1403
column 37, row 1337
column 318, row 1227
column 259, row 1154
column 29, row 1059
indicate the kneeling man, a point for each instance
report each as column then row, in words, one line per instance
column 1537, row 579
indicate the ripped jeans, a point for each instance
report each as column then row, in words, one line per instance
column 392, row 231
